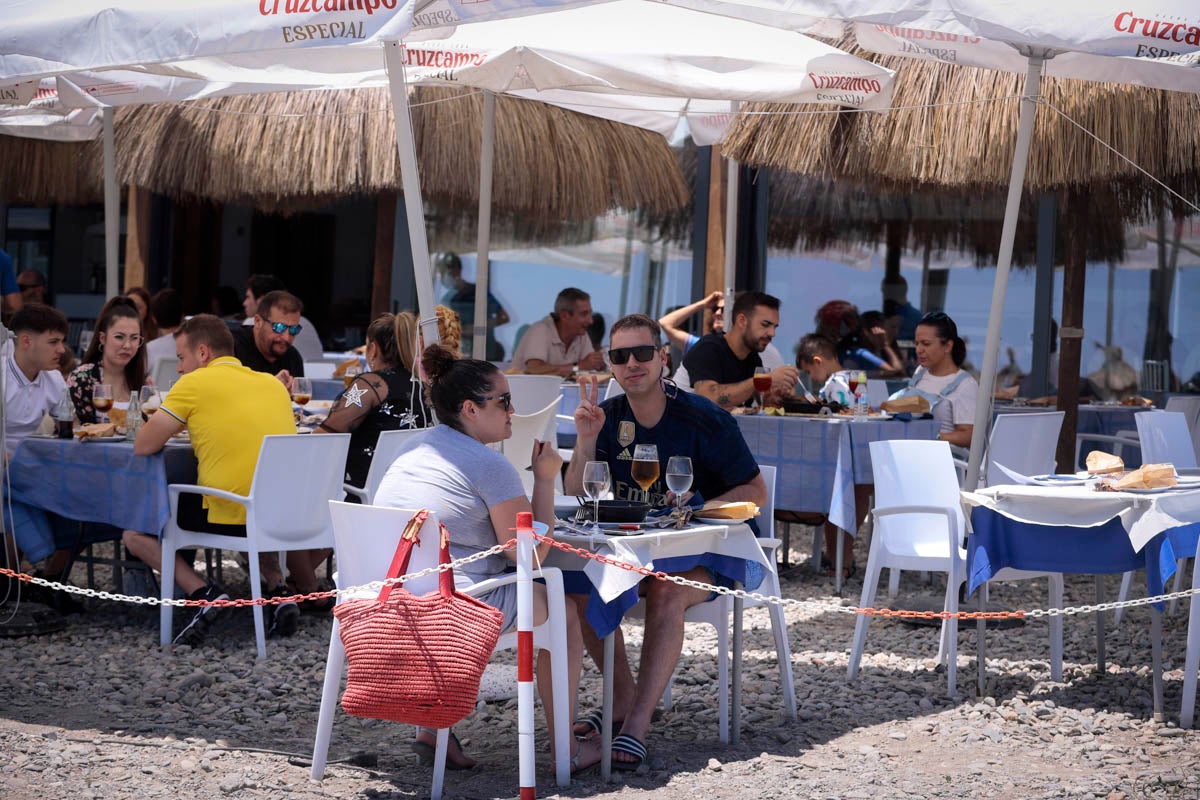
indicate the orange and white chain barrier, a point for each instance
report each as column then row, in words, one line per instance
column 807, row 605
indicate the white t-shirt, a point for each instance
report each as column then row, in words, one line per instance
column 837, row 389
column 26, row 401
column 958, row 407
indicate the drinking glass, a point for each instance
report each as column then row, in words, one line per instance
column 352, row 372
column 679, row 477
column 102, row 398
column 762, row 385
column 151, row 401
column 301, row 391
column 645, row 467
column 596, row 482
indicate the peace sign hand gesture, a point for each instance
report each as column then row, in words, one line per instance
column 589, row 417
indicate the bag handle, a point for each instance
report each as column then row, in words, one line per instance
column 411, row 536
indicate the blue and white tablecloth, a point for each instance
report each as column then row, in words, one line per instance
column 819, row 460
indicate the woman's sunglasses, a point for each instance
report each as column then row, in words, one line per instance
column 643, row 353
column 505, row 400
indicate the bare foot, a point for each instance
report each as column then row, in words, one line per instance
column 454, row 753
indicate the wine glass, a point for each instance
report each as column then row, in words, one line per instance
column 102, row 398
column 762, row 385
column 151, row 400
column 301, row 391
column 596, row 482
column 645, row 467
column 679, row 477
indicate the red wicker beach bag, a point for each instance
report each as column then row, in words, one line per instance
column 416, row 659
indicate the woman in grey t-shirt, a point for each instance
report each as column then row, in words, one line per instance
column 477, row 494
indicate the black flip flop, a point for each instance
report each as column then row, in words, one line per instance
column 630, row 745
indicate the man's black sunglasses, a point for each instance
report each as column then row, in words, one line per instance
column 642, row 352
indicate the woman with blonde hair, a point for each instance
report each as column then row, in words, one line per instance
column 384, row 399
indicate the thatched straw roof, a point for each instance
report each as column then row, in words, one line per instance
column 37, row 172
column 938, row 135
column 293, row 150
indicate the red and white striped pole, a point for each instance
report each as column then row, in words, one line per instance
column 525, row 699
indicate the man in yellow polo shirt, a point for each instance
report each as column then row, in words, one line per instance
column 228, row 409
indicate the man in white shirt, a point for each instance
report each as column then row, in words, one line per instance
column 167, row 308
column 559, row 344
column 32, row 387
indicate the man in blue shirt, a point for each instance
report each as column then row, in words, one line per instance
column 678, row 423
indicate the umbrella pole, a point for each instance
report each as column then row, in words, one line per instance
column 731, row 227
column 112, row 208
column 393, row 53
column 987, row 375
column 487, row 156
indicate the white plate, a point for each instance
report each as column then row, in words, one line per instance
column 1156, row 490
column 720, row 520
column 101, row 439
column 1059, row 480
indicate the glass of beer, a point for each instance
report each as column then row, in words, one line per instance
column 645, row 467
column 151, row 400
column 102, row 398
column 302, row 391
column 762, row 385
column 352, row 372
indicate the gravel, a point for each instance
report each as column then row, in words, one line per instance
column 98, row 711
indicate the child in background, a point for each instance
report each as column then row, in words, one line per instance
column 817, row 355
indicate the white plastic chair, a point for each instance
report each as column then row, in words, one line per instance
column 365, row 539
column 919, row 525
column 877, row 392
column 518, row 448
column 1165, row 439
column 285, row 510
column 532, row 393
column 319, row 370
column 1192, row 659
column 1025, row 443
column 164, row 372
column 718, row 613
column 386, row 450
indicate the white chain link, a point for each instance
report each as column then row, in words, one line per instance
column 804, row 605
column 374, row 586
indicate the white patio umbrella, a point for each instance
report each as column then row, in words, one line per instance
column 1098, row 40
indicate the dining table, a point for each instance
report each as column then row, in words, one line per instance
column 100, row 481
column 613, row 590
column 1074, row 528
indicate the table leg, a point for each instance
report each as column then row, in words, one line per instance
column 1100, row 659
column 735, row 713
column 1156, row 662
column 606, row 703
column 981, row 637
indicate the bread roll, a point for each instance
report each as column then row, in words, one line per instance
column 340, row 369
column 117, row 416
column 95, row 430
column 739, row 510
column 1149, row 476
column 910, row 403
column 1101, row 463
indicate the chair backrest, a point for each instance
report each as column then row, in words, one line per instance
column 365, row 539
column 877, row 392
column 321, row 370
column 1189, row 405
column 1165, row 439
column 1024, row 443
column 518, row 448
column 612, row 390
column 295, row 477
column 531, row 393
column 913, row 472
column 766, row 519
column 164, row 372
column 386, row 449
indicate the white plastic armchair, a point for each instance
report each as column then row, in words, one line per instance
column 518, row 448
column 365, row 539
column 285, row 510
column 386, row 449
